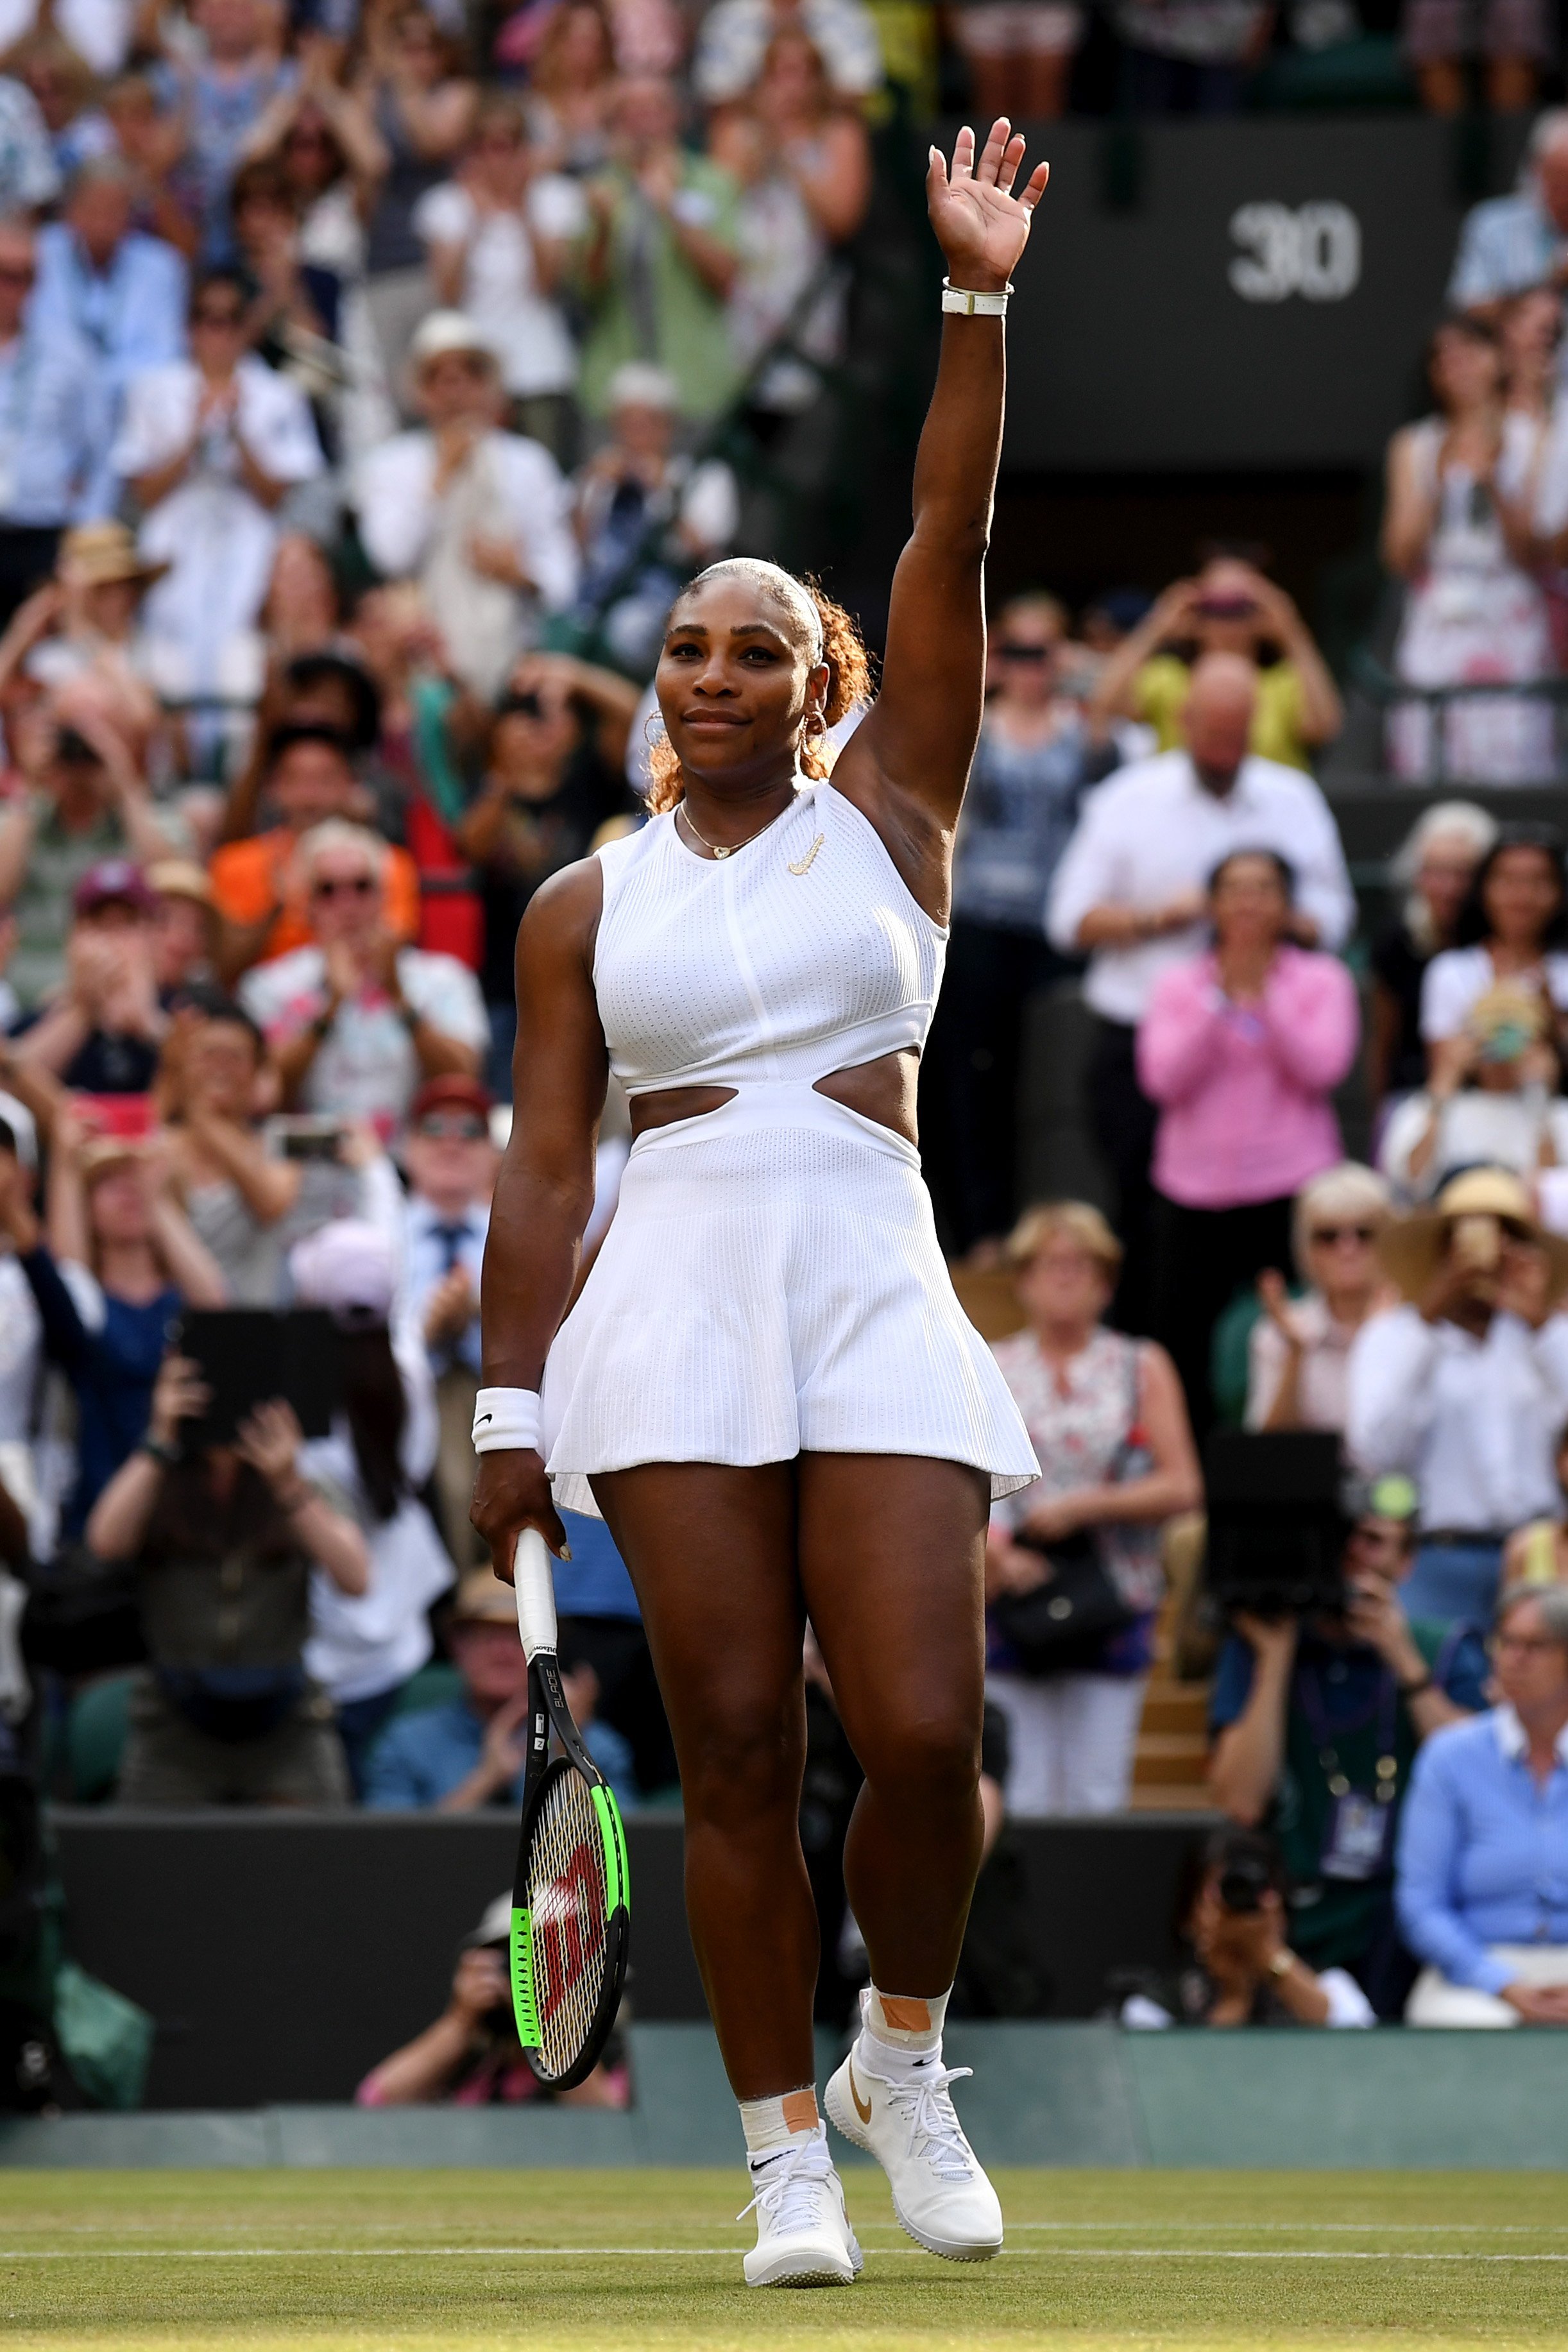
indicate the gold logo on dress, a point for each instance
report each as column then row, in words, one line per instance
column 803, row 865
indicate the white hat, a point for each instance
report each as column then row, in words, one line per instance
column 345, row 1266
column 446, row 331
column 639, row 385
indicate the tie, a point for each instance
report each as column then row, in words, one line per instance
column 451, row 1238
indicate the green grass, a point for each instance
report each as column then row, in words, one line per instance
column 588, row 2260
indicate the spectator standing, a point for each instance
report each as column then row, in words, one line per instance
column 1241, row 1049
column 1436, row 868
column 64, row 81
column 30, row 176
column 570, row 88
column 1512, row 40
column 1029, row 770
column 499, row 239
column 54, row 424
column 306, row 777
column 1190, row 57
column 1105, row 1417
column 1019, row 54
column 412, row 89
column 1299, row 1349
column 86, row 802
column 1315, row 1725
column 355, row 1021
column 102, row 1034
column 1464, row 1386
column 1508, row 242
column 470, row 1751
column 224, row 1541
column 1483, row 1849
column 210, row 446
column 1512, row 930
column 1229, row 608
column 734, row 37
column 85, row 629
column 105, row 282
column 150, row 141
column 477, row 515
column 1460, row 528
column 217, row 96
column 365, row 1646
column 1494, row 1099
column 554, row 774
column 647, row 516
column 450, row 1163
column 661, row 258
column 1129, row 892
column 296, row 313
column 121, row 1261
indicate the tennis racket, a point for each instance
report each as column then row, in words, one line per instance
column 570, row 1925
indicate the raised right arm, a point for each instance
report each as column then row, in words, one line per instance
column 545, row 1190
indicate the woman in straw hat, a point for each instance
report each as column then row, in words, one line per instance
column 1464, row 1385
column 83, row 629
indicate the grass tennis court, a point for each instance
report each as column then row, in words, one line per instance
column 590, row 2259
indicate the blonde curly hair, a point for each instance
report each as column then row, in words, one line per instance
column 830, row 636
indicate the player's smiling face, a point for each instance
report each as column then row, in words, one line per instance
column 734, row 680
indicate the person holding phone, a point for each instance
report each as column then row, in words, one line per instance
column 223, row 1539
column 1229, row 608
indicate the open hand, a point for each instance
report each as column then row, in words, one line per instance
column 270, row 1440
column 981, row 224
column 1538, row 2004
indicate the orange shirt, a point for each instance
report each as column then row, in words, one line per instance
column 248, row 876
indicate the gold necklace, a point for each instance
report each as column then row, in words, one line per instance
column 713, row 848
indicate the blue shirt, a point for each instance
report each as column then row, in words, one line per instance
column 1483, row 1851
column 594, row 1582
column 132, row 316
column 55, row 431
column 1505, row 245
column 420, row 1759
column 1019, row 816
column 435, row 1245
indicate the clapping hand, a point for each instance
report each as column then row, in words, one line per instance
column 981, row 224
column 270, row 1439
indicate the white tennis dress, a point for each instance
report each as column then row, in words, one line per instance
column 771, row 1283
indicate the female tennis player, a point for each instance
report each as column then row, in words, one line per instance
column 767, row 1387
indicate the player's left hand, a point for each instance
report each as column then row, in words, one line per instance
column 981, row 224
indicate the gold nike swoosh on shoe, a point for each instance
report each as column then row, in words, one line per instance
column 803, row 865
column 863, row 2112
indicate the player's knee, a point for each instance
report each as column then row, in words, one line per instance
column 931, row 1760
column 741, row 1764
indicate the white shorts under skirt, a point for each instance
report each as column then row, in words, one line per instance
column 772, row 1285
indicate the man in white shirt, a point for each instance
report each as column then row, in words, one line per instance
column 1464, row 1386
column 450, row 1163
column 480, row 517
column 1130, row 891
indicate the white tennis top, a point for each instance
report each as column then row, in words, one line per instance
column 802, row 953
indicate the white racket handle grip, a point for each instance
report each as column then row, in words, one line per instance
column 535, row 1583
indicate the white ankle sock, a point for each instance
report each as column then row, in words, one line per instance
column 902, row 2032
column 770, row 2125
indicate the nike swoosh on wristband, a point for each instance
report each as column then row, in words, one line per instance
column 863, row 2112
column 483, row 1418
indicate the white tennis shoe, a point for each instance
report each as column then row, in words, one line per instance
column 941, row 2194
column 804, row 2237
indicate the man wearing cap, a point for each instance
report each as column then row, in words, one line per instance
column 1315, row 1726
column 1464, row 1385
column 102, row 1032
column 477, row 515
column 470, row 1752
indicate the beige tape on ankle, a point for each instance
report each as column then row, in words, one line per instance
column 799, row 2111
column 905, row 2016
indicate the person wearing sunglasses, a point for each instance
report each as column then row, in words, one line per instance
column 1299, row 1347
column 1463, row 1386
column 355, row 1021
column 1482, row 1867
column 1229, row 608
column 1029, row 772
column 210, row 446
column 54, row 427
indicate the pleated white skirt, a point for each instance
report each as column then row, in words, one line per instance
column 772, row 1285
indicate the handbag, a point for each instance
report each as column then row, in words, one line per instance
column 1062, row 1626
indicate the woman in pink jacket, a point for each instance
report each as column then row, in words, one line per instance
column 1241, row 1048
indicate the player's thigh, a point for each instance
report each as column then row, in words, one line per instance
column 892, row 1567
column 712, row 1553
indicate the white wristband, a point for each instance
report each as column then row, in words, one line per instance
column 966, row 305
column 506, row 1420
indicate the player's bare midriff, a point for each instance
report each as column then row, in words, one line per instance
column 883, row 1090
